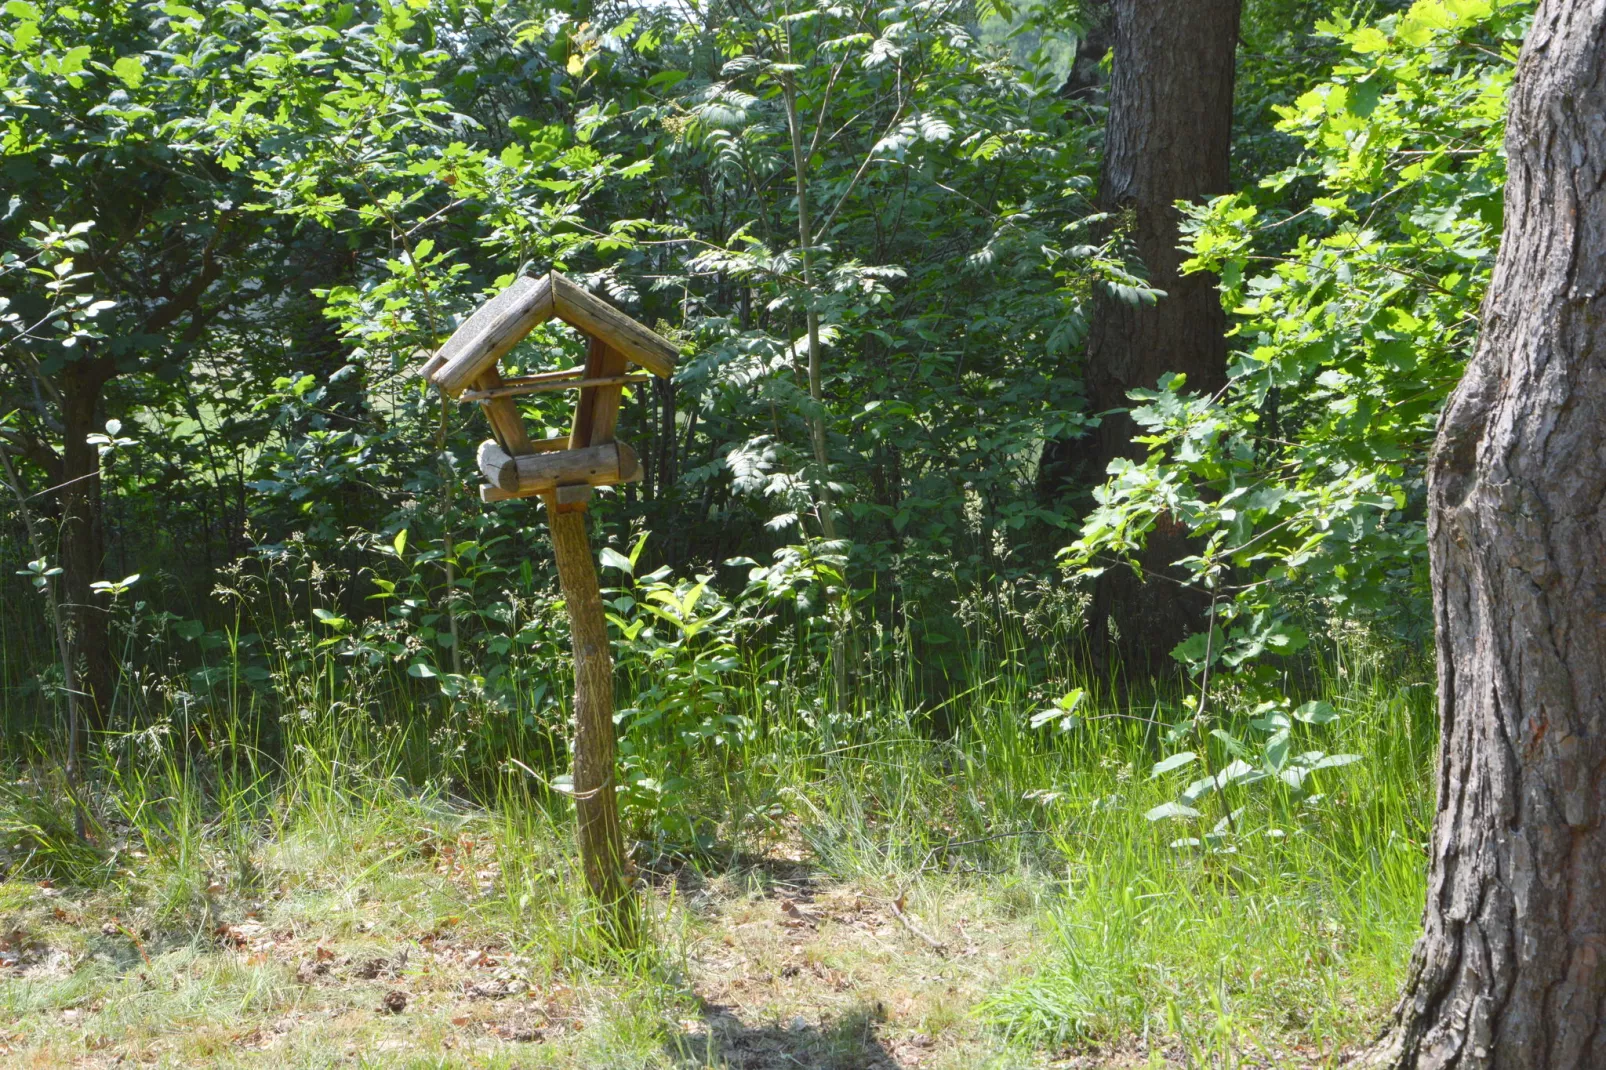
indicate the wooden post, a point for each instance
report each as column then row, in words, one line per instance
column 596, row 806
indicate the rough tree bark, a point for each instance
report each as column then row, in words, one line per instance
column 601, row 842
column 1168, row 138
column 1510, row 972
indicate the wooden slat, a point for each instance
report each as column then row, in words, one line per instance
column 599, row 319
column 580, row 433
column 547, row 445
column 491, row 332
column 503, row 414
column 607, row 395
column 513, row 388
column 547, row 377
column 596, row 411
column 574, row 496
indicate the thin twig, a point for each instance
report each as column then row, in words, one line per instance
column 897, row 911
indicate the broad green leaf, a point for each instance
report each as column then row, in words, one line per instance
column 1175, row 761
column 130, row 70
column 611, row 558
column 1316, row 713
column 1277, row 750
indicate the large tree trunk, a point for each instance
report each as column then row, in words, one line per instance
column 1168, row 138
column 1510, row 972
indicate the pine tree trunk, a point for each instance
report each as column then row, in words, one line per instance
column 1510, row 972
column 601, row 842
column 1168, row 138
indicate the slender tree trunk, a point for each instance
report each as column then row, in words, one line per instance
column 805, row 237
column 825, row 502
column 82, row 541
column 1168, row 139
column 601, row 843
column 1510, row 972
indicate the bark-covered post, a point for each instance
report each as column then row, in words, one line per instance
column 596, row 806
column 1510, row 971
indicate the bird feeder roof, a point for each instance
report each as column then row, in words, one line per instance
column 503, row 321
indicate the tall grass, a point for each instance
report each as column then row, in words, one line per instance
column 327, row 786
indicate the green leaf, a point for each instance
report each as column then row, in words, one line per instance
column 1234, row 745
column 1192, row 650
column 611, row 558
column 1334, row 761
column 1277, row 750
column 635, row 551
column 1369, row 39
column 130, row 70
column 1170, row 809
column 1199, row 789
column 1066, row 719
column 1176, row 761
column 1316, row 713
column 74, row 59
column 114, row 587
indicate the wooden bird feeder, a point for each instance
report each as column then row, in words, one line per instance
column 563, row 472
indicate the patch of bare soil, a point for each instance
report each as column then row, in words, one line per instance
column 832, row 977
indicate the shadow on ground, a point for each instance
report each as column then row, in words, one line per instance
column 847, row 1043
column 769, row 878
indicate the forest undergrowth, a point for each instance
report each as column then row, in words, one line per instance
column 897, row 884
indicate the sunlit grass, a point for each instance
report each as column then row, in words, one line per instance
column 1018, row 857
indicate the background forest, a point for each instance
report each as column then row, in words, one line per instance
column 273, row 678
